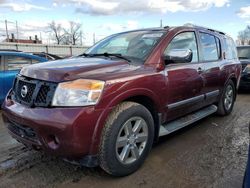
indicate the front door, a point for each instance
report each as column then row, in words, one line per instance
column 184, row 80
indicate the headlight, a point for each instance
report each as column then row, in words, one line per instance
column 247, row 69
column 78, row 93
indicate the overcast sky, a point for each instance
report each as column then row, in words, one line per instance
column 104, row 17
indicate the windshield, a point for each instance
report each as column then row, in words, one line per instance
column 132, row 45
column 243, row 52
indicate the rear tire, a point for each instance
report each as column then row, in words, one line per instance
column 126, row 139
column 227, row 99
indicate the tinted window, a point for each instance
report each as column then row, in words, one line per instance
column 231, row 52
column 209, row 47
column 218, row 44
column 186, row 40
column 15, row 62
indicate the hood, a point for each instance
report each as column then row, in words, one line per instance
column 70, row 69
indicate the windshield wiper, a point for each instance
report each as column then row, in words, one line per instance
column 84, row 54
column 106, row 55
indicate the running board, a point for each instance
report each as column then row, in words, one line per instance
column 186, row 120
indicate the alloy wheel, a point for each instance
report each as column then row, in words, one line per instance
column 131, row 140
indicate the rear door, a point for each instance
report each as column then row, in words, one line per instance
column 211, row 56
column 13, row 64
column 2, row 73
column 184, row 80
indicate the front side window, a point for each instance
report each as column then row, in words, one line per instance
column 184, row 41
column 16, row 63
column 209, row 47
column 132, row 45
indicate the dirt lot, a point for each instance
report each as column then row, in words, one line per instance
column 210, row 153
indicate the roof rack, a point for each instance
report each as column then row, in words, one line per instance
column 205, row 28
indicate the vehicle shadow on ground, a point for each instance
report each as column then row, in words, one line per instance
column 49, row 169
column 244, row 91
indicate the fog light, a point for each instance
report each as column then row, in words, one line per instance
column 53, row 141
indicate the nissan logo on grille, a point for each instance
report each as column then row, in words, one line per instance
column 24, row 91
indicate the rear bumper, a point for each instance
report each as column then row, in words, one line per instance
column 245, row 81
column 66, row 132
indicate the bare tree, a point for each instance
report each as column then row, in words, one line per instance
column 244, row 36
column 57, row 31
column 74, row 33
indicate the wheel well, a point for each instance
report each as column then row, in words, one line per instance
column 234, row 81
column 235, row 85
column 150, row 105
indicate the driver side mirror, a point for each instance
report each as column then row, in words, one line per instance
column 178, row 56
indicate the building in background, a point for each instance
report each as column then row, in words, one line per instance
column 26, row 41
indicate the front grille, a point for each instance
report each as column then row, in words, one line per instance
column 33, row 92
column 31, row 88
column 42, row 94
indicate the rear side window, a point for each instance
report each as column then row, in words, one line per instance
column 15, row 62
column 1, row 64
column 231, row 52
column 210, row 47
column 34, row 61
column 185, row 40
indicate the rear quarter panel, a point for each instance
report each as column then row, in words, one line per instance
column 230, row 69
column 6, row 81
column 2, row 95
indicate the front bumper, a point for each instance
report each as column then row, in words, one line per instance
column 66, row 132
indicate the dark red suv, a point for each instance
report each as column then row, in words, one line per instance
column 107, row 106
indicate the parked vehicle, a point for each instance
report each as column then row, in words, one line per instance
column 108, row 106
column 48, row 56
column 244, row 56
column 11, row 62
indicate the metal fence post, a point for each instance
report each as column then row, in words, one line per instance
column 71, row 52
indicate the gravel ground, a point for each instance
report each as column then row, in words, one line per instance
column 209, row 153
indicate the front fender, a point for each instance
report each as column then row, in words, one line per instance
column 96, row 138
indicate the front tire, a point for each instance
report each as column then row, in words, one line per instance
column 126, row 139
column 227, row 99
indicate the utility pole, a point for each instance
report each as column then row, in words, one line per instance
column 93, row 38
column 81, row 37
column 41, row 36
column 6, row 28
column 17, row 34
